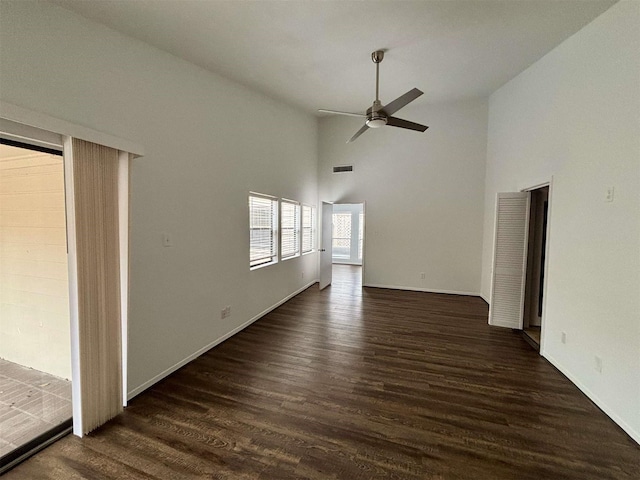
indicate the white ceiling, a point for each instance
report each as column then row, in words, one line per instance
column 316, row 54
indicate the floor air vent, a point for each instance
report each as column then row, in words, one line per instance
column 345, row 168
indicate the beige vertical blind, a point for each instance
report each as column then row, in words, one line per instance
column 95, row 183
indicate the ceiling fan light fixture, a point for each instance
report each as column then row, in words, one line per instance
column 376, row 122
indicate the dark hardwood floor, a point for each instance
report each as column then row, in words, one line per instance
column 356, row 384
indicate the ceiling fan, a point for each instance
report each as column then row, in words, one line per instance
column 378, row 115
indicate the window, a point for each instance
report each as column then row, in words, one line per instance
column 263, row 230
column 308, row 228
column 289, row 229
column 342, row 235
column 348, row 233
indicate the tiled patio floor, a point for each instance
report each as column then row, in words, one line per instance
column 31, row 402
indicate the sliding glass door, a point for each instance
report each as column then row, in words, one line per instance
column 35, row 352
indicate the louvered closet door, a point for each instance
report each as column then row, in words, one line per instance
column 510, row 260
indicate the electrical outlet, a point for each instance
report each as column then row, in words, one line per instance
column 228, row 310
column 223, row 313
column 598, row 364
column 167, row 241
column 563, row 337
column 422, row 275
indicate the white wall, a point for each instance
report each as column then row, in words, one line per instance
column 206, row 147
column 34, row 290
column 423, row 194
column 575, row 115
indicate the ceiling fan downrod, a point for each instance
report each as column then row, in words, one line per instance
column 375, row 119
column 377, row 58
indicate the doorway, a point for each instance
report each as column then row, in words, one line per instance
column 519, row 257
column 35, row 347
column 343, row 239
column 537, row 243
column 347, row 233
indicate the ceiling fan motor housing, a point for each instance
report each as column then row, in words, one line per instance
column 376, row 118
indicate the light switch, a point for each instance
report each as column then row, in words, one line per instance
column 608, row 196
column 167, row 241
column 597, row 364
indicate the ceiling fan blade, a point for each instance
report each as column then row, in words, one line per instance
column 401, row 101
column 358, row 133
column 398, row 122
column 342, row 113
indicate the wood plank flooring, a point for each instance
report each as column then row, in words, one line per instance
column 356, row 384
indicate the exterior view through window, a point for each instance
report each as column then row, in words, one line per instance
column 348, row 233
column 342, row 235
column 263, row 230
column 289, row 229
column 35, row 351
column 308, row 228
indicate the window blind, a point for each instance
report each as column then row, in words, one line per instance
column 289, row 228
column 308, row 228
column 263, row 215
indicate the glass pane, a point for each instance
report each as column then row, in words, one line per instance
column 341, row 235
column 307, row 229
column 262, row 231
column 290, row 229
column 35, row 352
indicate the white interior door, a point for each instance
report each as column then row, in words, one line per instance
column 510, row 260
column 326, row 261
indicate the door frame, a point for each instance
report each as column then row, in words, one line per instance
column 543, row 319
column 364, row 233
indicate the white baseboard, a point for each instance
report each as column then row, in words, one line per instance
column 165, row 373
column 594, row 398
column 415, row 289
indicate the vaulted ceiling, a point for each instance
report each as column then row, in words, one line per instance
column 316, row 54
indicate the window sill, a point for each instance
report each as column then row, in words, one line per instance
column 263, row 265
